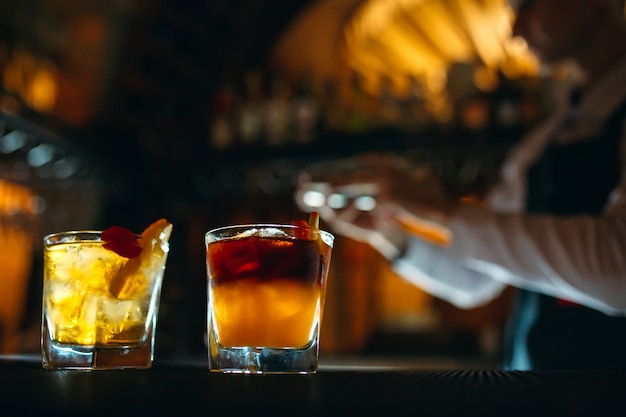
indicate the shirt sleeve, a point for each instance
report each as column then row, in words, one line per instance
column 442, row 274
column 580, row 258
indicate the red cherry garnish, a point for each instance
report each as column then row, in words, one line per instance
column 121, row 241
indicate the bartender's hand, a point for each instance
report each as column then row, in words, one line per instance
column 380, row 202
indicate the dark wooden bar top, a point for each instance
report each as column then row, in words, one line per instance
column 181, row 388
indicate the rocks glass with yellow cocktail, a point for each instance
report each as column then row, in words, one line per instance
column 101, row 293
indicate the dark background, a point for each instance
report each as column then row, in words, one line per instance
column 141, row 83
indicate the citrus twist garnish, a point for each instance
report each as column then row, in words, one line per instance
column 311, row 231
column 314, row 231
column 314, row 220
column 150, row 242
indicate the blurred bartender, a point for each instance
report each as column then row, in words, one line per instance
column 555, row 225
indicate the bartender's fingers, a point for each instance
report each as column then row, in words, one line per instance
column 364, row 219
column 354, row 223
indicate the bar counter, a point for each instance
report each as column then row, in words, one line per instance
column 181, row 388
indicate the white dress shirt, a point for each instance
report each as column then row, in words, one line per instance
column 580, row 258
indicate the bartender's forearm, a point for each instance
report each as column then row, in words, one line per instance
column 578, row 257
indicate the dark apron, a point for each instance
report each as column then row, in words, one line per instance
column 547, row 333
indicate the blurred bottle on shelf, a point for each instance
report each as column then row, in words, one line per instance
column 415, row 115
column 389, row 112
column 333, row 113
column 222, row 129
column 278, row 112
column 360, row 106
column 305, row 112
column 250, row 114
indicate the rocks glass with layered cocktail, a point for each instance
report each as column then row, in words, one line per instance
column 266, row 287
column 101, row 293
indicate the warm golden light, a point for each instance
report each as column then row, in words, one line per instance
column 422, row 37
column 42, row 92
column 32, row 79
column 480, row 18
column 457, row 45
column 16, row 247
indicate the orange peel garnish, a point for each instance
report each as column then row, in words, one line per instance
column 314, row 220
column 309, row 230
column 314, row 231
column 150, row 241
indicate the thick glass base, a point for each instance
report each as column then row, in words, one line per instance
column 259, row 360
column 62, row 356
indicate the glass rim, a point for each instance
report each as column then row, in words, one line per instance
column 47, row 239
column 257, row 225
column 261, row 225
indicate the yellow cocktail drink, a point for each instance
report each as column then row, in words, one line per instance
column 95, row 298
